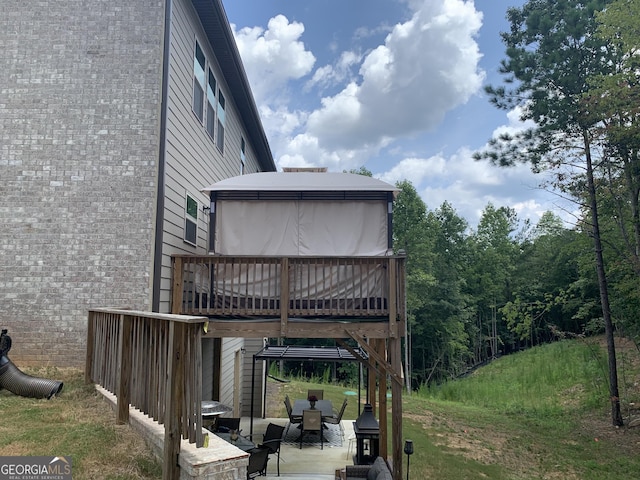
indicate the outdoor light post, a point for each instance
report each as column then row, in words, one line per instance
column 408, row 449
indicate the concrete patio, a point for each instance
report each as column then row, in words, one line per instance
column 310, row 462
column 223, row 461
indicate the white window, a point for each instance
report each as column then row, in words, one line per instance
column 211, row 104
column 243, row 156
column 191, row 220
column 220, row 136
column 198, row 82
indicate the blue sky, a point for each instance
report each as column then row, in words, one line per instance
column 395, row 86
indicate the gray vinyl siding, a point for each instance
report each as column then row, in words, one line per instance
column 229, row 348
column 79, row 142
column 252, row 346
column 207, row 368
column 193, row 161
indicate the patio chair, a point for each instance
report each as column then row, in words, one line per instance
column 226, row 424
column 292, row 419
column 272, row 439
column 319, row 394
column 312, row 422
column 258, row 458
column 336, row 418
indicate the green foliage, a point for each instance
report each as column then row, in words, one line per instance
column 474, row 295
column 543, row 380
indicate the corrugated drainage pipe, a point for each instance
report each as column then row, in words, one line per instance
column 25, row 385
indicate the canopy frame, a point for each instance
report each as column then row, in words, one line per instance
column 305, row 353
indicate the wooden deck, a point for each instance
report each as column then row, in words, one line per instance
column 288, row 296
column 153, row 361
column 362, row 298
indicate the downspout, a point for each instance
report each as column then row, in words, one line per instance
column 159, row 230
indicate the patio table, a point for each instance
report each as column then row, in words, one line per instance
column 325, row 406
column 211, row 409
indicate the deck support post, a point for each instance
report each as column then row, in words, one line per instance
column 124, row 369
column 178, row 285
column 173, row 402
column 393, row 298
column 382, row 396
column 396, row 408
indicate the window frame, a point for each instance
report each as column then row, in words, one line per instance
column 211, row 102
column 191, row 219
column 243, row 155
column 221, row 114
column 198, row 83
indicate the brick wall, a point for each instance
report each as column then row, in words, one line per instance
column 80, row 93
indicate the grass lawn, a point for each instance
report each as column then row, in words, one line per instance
column 79, row 423
column 539, row 414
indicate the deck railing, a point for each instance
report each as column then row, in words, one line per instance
column 248, row 286
column 152, row 362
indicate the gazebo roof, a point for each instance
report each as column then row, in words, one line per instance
column 297, row 352
column 301, row 181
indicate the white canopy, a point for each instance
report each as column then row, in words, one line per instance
column 301, row 181
column 301, row 213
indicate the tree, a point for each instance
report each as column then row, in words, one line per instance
column 546, row 294
column 493, row 254
column 412, row 236
column 614, row 101
column 444, row 319
column 552, row 50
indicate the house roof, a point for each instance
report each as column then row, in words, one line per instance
column 301, row 181
column 216, row 26
column 297, row 352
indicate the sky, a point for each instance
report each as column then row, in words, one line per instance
column 394, row 86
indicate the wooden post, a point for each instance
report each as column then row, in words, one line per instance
column 396, row 408
column 91, row 341
column 382, row 410
column 393, row 299
column 284, row 296
column 178, row 285
column 196, row 337
column 123, row 375
column 173, row 402
column 372, row 376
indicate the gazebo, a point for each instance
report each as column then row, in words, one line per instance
column 271, row 353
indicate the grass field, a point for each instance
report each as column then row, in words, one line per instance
column 540, row 414
column 78, row 423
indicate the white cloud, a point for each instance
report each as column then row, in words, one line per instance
column 273, row 56
column 427, row 66
column 399, row 89
column 330, row 75
column 469, row 185
column 514, row 125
